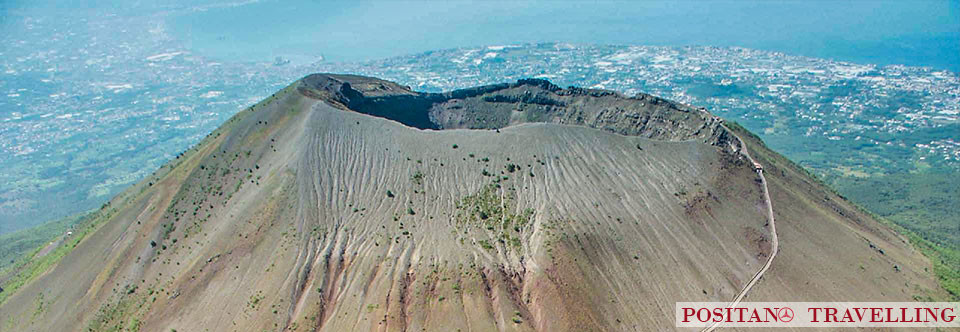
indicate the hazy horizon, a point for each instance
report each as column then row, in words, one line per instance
column 922, row 33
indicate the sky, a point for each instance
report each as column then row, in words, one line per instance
column 918, row 33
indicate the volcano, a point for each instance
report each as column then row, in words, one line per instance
column 349, row 203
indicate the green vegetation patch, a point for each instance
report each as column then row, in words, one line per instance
column 946, row 264
column 490, row 209
column 923, row 205
column 124, row 313
column 31, row 266
column 18, row 246
column 923, row 202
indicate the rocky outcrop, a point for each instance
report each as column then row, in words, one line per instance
column 528, row 100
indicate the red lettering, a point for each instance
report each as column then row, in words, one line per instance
column 904, row 316
column 913, row 315
column 687, row 312
column 815, row 312
column 703, row 310
column 718, row 315
column 860, row 312
column 771, row 312
column 740, row 312
column 724, row 313
column 847, row 318
column 831, row 315
column 754, row 317
column 929, row 312
column 875, row 315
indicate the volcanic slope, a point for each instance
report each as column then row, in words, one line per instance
column 346, row 203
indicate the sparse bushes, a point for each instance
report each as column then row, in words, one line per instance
column 417, row 178
column 485, row 244
column 390, row 194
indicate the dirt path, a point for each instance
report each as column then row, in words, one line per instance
column 773, row 232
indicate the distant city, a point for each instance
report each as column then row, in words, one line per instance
column 773, row 93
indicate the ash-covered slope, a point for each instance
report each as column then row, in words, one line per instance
column 338, row 205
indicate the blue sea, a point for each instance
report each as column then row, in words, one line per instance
column 913, row 33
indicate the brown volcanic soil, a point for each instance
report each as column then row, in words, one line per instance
column 339, row 205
